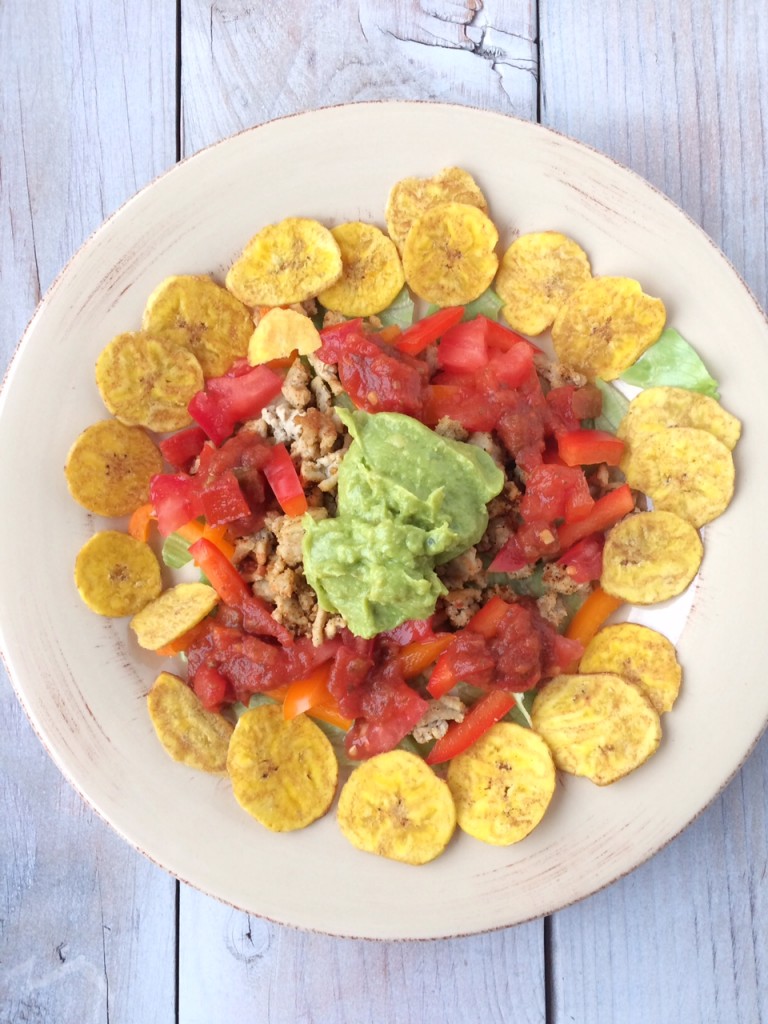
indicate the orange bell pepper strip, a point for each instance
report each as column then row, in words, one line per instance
column 592, row 614
column 304, row 694
column 328, row 711
column 140, row 522
column 183, row 642
column 417, row 656
column 217, row 535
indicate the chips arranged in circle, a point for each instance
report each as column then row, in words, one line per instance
column 291, row 261
column 449, row 255
column 640, row 655
column 372, row 274
column 109, row 467
column 216, row 326
column 664, row 407
column 279, row 333
column 148, row 380
column 172, row 614
column 650, row 557
column 502, row 784
column 116, row 575
column 409, row 198
column 536, row 275
column 599, row 726
column 605, row 325
column 189, row 733
column 283, row 773
column 395, row 806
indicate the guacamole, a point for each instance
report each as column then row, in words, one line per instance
column 408, row 500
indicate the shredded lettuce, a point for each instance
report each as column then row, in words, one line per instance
column 672, row 361
column 175, row 551
column 615, row 407
column 399, row 312
column 488, row 304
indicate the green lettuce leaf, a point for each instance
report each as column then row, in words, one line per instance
column 615, row 407
column 488, row 304
column 399, row 312
column 673, row 362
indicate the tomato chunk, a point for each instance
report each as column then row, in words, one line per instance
column 285, row 483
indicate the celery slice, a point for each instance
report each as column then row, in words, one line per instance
column 175, row 551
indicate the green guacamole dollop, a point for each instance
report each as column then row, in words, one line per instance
column 408, row 500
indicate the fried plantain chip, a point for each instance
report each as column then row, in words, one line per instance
column 449, row 257
column 174, row 612
column 290, row 261
column 537, row 274
column 605, row 325
column 216, row 325
column 599, row 725
column 410, row 197
column 283, row 773
column 502, row 784
column 684, row 470
column 148, row 379
column 109, row 467
column 650, row 557
column 372, row 274
column 279, row 333
column 641, row 656
column 663, row 407
column 116, row 575
column 395, row 806
column 189, row 733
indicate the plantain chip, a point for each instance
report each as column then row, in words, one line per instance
column 172, row 614
column 283, row 773
column 599, row 725
column 291, row 261
column 279, row 333
column 685, row 471
column 215, row 326
column 537, row 274
column 449, row 256
column 410, row 197
column 650, row 557
column 640, row 655
column 148, row 379
column 395, row 806
column 663, row 407
column 189, row 733
column 109, row 467
column 502, row 784
column 372, row 275
column 605, row 325
column 116, row 575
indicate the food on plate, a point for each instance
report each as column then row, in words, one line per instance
column 372, row 274
column 605, row 325
column 662, row 408
column 600, row 725
column 283, row 773
column 116, row 575
column 449, row 255
column 502, row 784
column 189, row 733
column 109, row 468
column 279, row 333
column 291, row 261
column 410, row 197
column 640, row 655
column 148, row 379
column 395, row 806
column 215, row 326
column 172, row 614
column 650, row 557
column 536, row 275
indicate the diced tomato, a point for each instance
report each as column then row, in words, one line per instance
column 223, row 501
column 181, row 449
column 211, row 687
column 175, row 499
column 588, row 447
column 229, row 400
column 463, row 348
column 410, row 631
column 418, row 336
column 486, row 620
column 513, row 365
column 556, row 492
column 285, row 483
column 584, row 560
column 389, row 710
column 607, row 510
column 335, row 338
column 497, row 336
column 378, row 382
column 486, row 712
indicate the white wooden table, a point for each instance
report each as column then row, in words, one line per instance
column 99, row 96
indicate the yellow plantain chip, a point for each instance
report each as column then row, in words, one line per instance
column 650, row 557
column 410, row 197
column 395, row 806
column 449, row 256
column 148, row 380
column 216, row 325
column 641, row 656
column 372, row 274
column 109, row 468
column 172, row 614
column 663, row 407
column 281, row 332
column 502, row 784
column 599, row 725
column 605, row 325
column 283, row 773
column 116, row 575
column 684, row 470
column 291, row 261
column 537, row 274
column 189, row 733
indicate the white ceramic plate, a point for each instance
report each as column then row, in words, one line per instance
column 82, row 679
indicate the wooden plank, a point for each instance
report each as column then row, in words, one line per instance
column 87, row 925
column 677, row 92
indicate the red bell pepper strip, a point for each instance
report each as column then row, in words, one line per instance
column 443, row 677
column 607, row 510
column 418, row 336
column 478, row 720
column 285, row 483
column 589, row 447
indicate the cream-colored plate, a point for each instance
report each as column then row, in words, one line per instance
column 82, row 679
